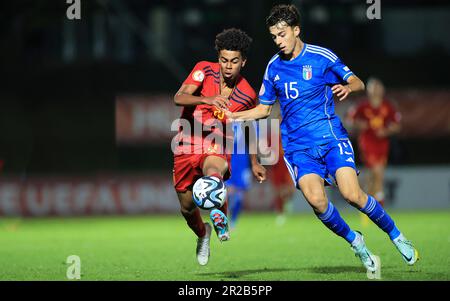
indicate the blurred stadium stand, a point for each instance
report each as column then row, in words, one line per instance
column 61, row 79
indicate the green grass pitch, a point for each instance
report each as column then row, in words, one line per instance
column 159, row 247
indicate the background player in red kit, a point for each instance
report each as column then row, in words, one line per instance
column 283, row 188
column 376, row 119
column 210, row 89
column 281, row 178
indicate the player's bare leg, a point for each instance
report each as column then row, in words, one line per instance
column 374, row 178
column 378, row 180
column 194, row 220
column 312, row 187
column 284, row 194
column 369, row 181
column 369, row 187
column 349, row 187
column 218, row 166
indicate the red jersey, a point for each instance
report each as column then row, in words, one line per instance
column 376, row 118
column 212, row 121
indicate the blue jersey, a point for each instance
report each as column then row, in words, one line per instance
column 303, row 88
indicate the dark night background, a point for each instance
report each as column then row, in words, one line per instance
column 59, row 77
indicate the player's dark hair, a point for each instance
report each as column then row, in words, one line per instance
column 283, row 13
column 233, row 39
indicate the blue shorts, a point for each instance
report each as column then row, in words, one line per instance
column 323, row 160
column 240, row 172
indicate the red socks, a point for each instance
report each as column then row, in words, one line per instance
column 279, row 202
column 195, row 222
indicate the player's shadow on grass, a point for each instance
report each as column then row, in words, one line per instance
column 238, row 274
column 336, row 270
column 315, row 270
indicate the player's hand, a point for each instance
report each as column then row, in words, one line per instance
column 341, row 91
column 218, row 101
column 259, row 172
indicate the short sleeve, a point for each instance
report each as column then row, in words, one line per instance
column 267, row 93
column 196, row 76
column 337, row 72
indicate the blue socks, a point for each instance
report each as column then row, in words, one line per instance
column 333, row 220
column 380, row 217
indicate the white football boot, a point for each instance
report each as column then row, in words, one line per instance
column 203, row 246
column 405, row 247
column 369, row 261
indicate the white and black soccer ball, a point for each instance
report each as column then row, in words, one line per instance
column 209, row 192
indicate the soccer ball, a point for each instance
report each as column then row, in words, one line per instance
column 209, row 192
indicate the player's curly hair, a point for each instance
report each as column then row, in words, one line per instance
column 283, row 13
column 233, row 39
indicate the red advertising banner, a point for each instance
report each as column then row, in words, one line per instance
column 425, row 114
column 86, row 196
column 105, row 195
column 148, row 119
column 145, row 119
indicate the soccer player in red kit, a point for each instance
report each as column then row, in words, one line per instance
column 210, row 89
column 281, row 179
column 282, row 183
column 375, row 119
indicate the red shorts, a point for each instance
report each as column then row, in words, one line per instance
column 188, row 168
column 279, row 174
column 374, row 154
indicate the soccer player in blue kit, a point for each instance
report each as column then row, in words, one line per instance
column 303, row 78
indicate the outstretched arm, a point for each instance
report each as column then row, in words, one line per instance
column 259, row 171
column 184, row 97
column 258, row 112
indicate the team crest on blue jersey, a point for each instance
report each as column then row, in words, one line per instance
column 307, row 72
